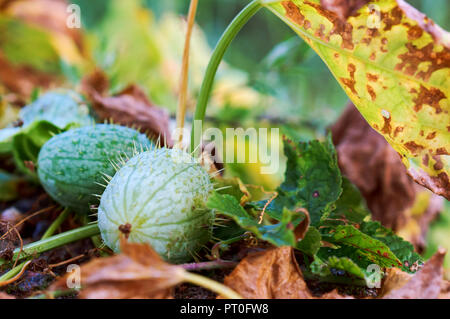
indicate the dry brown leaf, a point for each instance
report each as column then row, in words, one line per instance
column 425, row 284
column 129, row 107
column 445, row 290
column 138, row 272
column 271, row 274
column 6, row 296
column 376, row 169
column 23, row 79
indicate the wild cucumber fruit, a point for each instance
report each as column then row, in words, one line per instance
column 158, row 197
column 72, row 165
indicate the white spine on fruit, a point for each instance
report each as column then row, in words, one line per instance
column 161, row 194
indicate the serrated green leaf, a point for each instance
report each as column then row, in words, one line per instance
column 280, row 234
column 310, row 244
column 374, row 249
column 349, row 208
column 339, row 270
column 401, row 248
column 393, row 63
column 312, row 180
column 27, row 143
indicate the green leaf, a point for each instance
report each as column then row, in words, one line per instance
column 350, row 207
column 396, row 71
column 310, row 244
column 280, row 234
column 338, row 270
column 401, row 248
column 27, row 143
column 312, row 180
column 375, row 250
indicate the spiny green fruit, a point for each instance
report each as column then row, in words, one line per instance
column 158, row 197
column 72, row 165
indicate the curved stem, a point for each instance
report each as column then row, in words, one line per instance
column 212, row 285
column 61, row 239
column 229, row 34
column 12, row 272
column 50, row 231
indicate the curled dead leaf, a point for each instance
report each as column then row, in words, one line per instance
column 425, row 284
column 138, row 272
column 129, row 107
column 271, row 274
column 302, row 228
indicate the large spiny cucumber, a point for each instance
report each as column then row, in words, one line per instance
column 158, row 197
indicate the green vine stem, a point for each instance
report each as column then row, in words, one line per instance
column 229, row 34
column 49, row 232
column 52, row 242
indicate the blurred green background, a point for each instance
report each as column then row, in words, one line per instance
column 276, row 61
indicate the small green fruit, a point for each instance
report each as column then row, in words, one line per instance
column 159, row 198
column 72, row 165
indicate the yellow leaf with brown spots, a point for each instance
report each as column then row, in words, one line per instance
column 394, row 64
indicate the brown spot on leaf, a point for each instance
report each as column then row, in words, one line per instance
column 431, row 135
column 307, row 24
column 372, row 77
column 372, row 93
column 430, row 97
column 438, row 165
column 392, row 18
column 350, row 83
column 441, row 151
column 293, row 12
column 414, row 33
column 412, row 59
column 340, row 27
column 413, row 147
column 398, row 130
column 387, row 126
